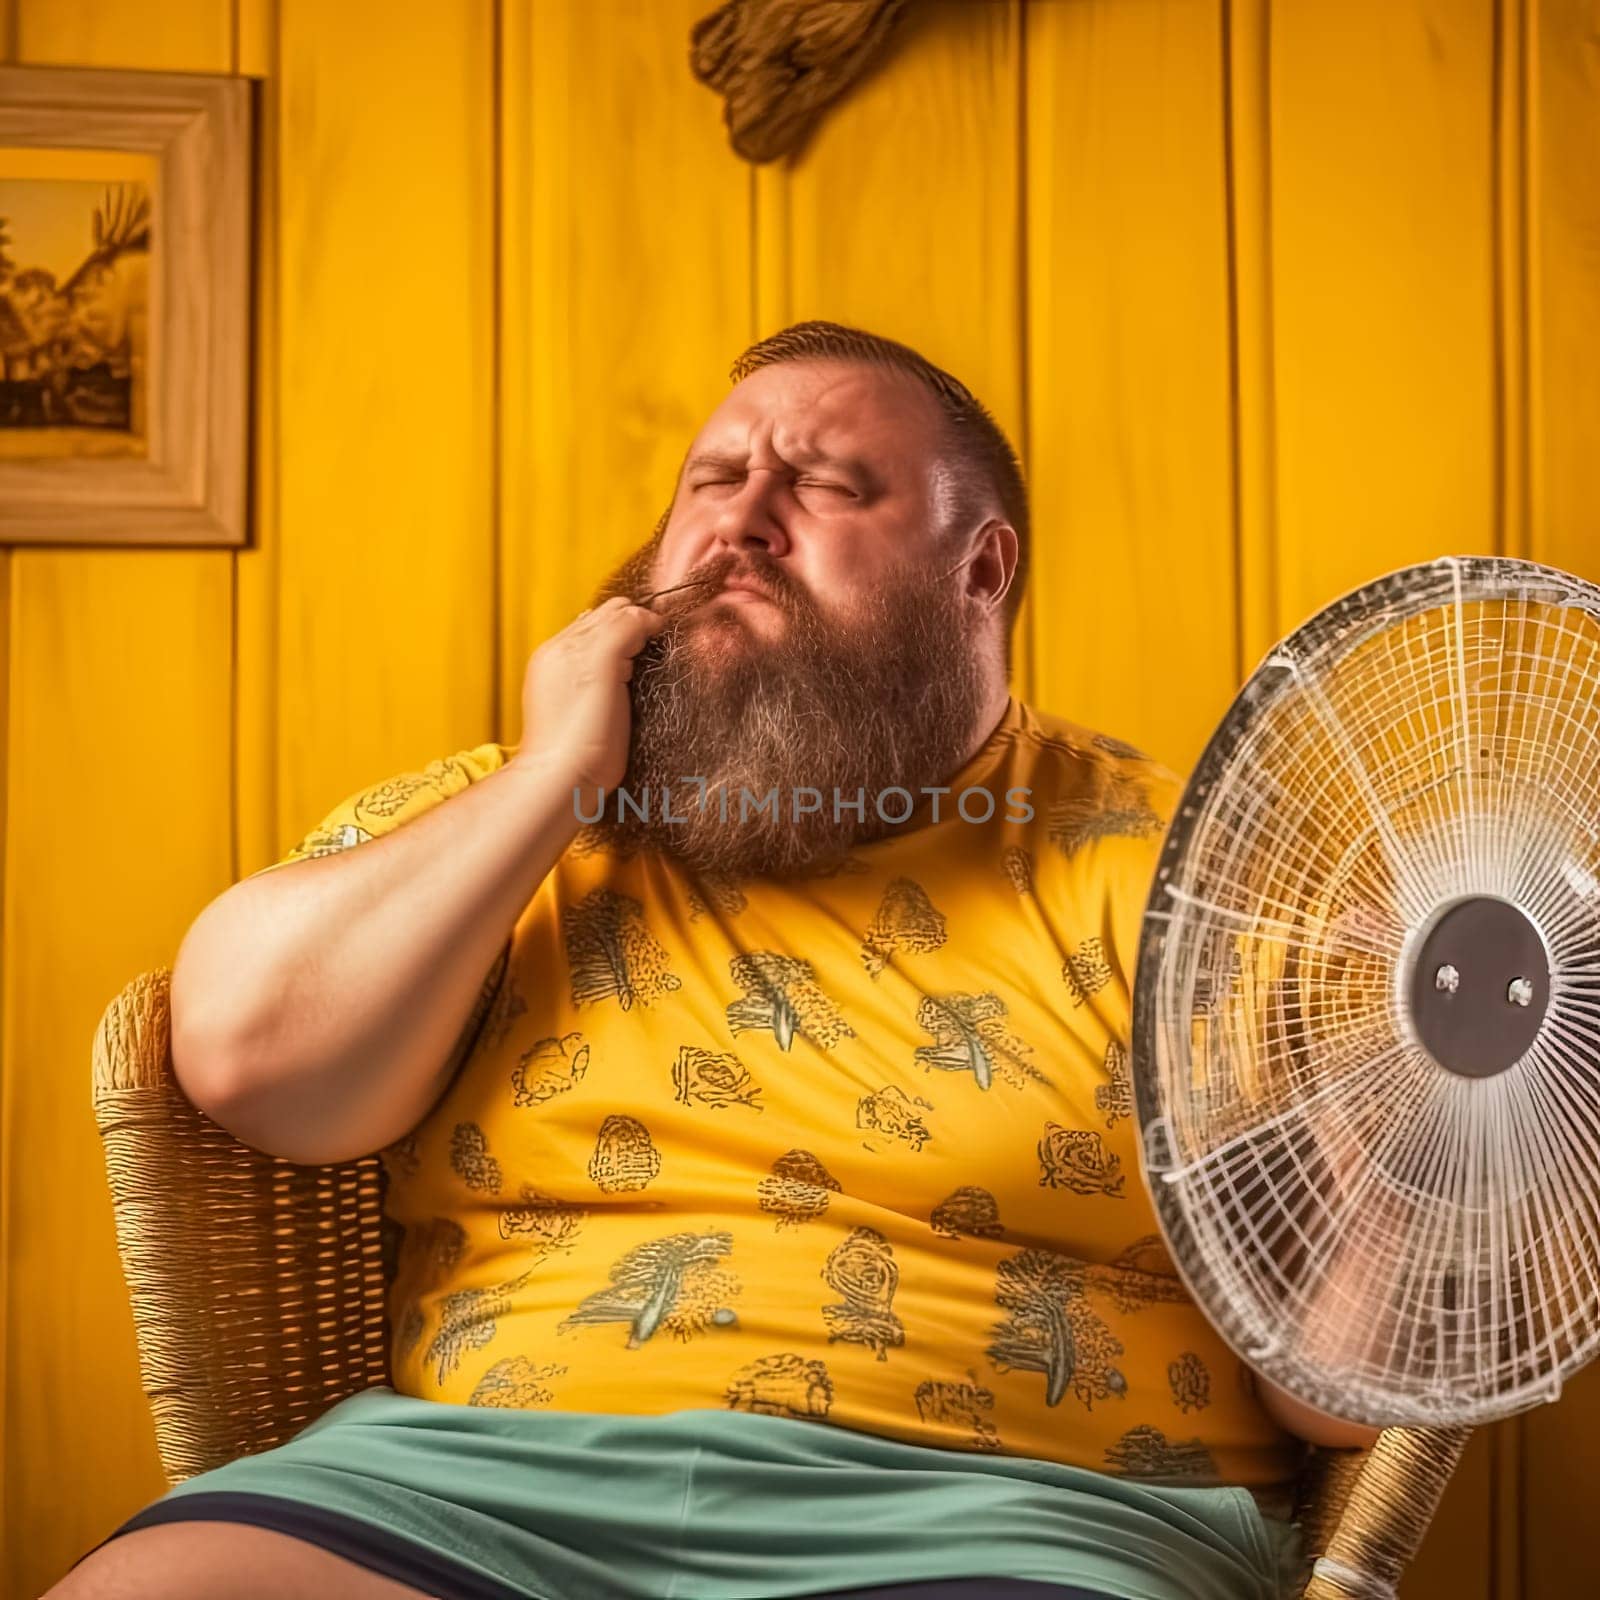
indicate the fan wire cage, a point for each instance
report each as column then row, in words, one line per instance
column 1367, row 1009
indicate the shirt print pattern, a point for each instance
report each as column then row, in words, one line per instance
column 860, row 1149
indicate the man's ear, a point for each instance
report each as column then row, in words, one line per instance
column 993, row 562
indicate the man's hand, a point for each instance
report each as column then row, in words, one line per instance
column 575, row 712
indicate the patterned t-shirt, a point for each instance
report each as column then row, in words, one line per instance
column 859, row 1149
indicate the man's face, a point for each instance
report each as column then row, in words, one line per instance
column 825, row 639
column 814, row 481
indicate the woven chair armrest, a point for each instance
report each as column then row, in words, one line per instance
column 133, row 1044
column 1388, row 1495
column 258, row 1285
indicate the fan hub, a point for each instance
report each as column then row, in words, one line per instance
column 1479, row 986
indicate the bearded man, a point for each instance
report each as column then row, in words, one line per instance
column 772, row 1215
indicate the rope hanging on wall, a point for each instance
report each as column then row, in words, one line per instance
column 778, row 63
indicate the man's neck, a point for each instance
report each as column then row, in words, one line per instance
column 993, row 711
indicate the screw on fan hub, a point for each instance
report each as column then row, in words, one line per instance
column 1479, row 986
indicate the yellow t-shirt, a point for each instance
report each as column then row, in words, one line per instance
column 859, row 1149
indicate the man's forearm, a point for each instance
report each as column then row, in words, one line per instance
column 1306, row 1422
column 315, row 1007
column 1348, row 1319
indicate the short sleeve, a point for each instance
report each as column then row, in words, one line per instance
column 380, row 808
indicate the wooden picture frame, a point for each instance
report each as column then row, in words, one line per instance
column 125, row 381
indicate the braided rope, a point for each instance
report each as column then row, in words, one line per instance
column 778, row 63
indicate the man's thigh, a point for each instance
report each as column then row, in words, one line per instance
column 221, row 1561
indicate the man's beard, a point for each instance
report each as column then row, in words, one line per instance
column 888, row 698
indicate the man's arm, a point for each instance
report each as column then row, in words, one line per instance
column 314, row 1008
column 1348, row 1317
column 1298, row 1418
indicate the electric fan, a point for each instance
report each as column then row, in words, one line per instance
column 1366, row 1039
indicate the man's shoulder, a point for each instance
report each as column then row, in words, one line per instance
column 377, row 808
column 1087, row 769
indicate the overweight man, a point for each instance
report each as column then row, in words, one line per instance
column 747, row 1051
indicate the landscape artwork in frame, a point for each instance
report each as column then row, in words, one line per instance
column 125, row 207
column 76, row 237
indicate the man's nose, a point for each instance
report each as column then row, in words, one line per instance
column 754, row 515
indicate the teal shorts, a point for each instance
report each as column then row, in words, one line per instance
column 489, row 1503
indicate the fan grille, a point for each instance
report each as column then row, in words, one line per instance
column 1393, row 1240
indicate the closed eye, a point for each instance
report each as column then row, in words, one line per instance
column 800, row 483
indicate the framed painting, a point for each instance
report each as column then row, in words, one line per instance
column 125, row 249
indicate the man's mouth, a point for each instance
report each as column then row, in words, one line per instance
column 746, row 587
column 700, row 589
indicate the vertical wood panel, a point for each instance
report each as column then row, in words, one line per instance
column 1130, row 368
column 8, row 55
column 1511, row 199
column 1383, row 250
column 902, row 214
column 626, row 290
column 1562, row 1465
column 1561, row 1459
column 1564, row 281
column 1456, row 1561
column 1391, row 395
column 259, row 834
column 1388, row 388
column 117, row 830
column 1247, row 28
column 384, row 512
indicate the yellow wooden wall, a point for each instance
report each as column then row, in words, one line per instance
column 1272, row 297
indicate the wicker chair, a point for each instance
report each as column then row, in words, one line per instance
column 259, row 1293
